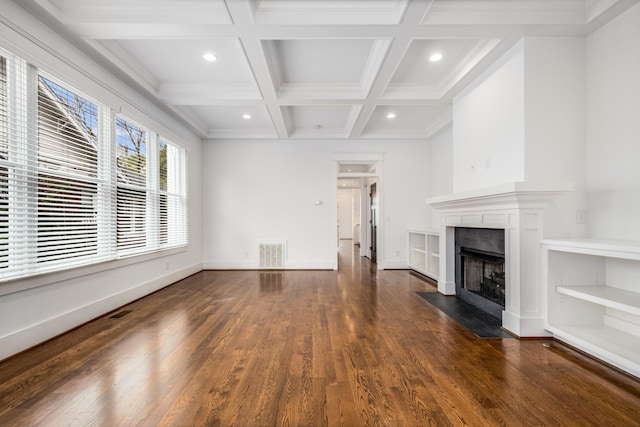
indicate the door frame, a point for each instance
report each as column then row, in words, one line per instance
column 376, row 160
column 374, row 221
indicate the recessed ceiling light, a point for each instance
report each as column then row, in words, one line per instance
column 246, row 116
column 435, row 57
column 209, row 57
column 391, row 116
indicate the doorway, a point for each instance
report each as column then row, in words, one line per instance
column 367, row 231
column 349, row 210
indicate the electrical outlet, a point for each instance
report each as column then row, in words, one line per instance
column 581, row 216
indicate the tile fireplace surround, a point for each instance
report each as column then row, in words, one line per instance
column 518, row 208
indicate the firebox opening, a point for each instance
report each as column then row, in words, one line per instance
column 480, row 268
column 483, row 274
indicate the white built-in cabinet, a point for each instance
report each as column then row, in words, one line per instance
column 424, row 252
column 593, row 298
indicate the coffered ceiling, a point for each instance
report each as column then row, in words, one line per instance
column 309, row 68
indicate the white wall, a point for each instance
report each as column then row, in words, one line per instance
column 57, row 302
column 524, row 120
column 555, row 126
column 266, row 189
column 613, row 128
column 488, row 126
column 345, row 213
column 357, row 214
column 441, row 171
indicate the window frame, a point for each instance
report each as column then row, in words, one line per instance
column 92, row 177
column 22, row 106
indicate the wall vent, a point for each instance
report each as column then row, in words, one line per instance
column 272, row 255
column 120, row 314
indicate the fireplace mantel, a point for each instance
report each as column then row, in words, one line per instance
column 518, row 208
column 511, row 194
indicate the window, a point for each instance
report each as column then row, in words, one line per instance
column 79, row 185
column 151, row 190
column 172, row 195
column 67, row 175
column 131, row 155
column 15, row 236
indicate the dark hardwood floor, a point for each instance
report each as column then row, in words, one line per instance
column 354, row 347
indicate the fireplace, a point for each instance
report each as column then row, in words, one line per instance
column 480, row 268
column 515, row 211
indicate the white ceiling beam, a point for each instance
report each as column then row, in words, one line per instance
column 392, row 25
column 212, row 12
column 331, row 11
column 491, row 12
column 123, row 31
column 242, row 15
column 54, row 7
column 414, row 15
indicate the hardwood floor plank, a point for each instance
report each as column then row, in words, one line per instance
column 304, row 348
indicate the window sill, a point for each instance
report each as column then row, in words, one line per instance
column 19, row 284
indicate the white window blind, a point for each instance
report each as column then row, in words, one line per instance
column 131, row 153
column 151, row 190
column 16, row 175
column 4, row 175
column 172, row 194
column 79, row 185
column 69, row 191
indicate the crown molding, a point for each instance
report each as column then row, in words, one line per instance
column 126, row 62
column 477, row 53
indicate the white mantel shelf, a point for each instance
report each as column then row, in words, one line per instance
column 511, row 193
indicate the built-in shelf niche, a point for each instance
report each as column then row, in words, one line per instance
column 424, row 252
column 593, row 298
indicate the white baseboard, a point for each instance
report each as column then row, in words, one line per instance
column 311, row 265
column 35, row 334
column 230, row 265
column 395, row 265
column 250, row 265
column 446, row 288
column 524, row 326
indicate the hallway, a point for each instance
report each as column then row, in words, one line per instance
column 264, row 348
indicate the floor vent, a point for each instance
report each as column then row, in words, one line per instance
column 120, row 314
column 272, row 255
